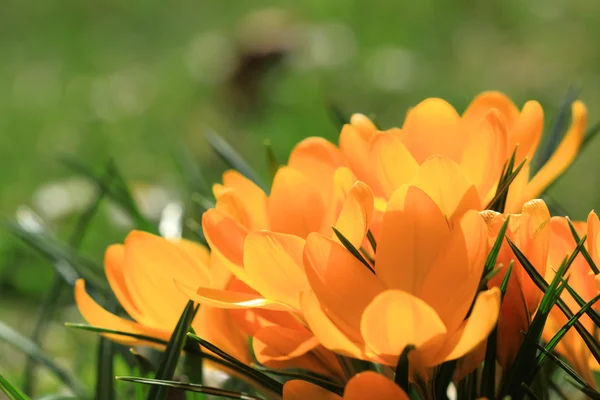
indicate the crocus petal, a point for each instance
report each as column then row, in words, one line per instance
column 433, row 127
column 370, row 385
column 564, row 154
column 445, row 182
column 254, row 197
column 593, row 236
column 216, row 326
column 597, row 280
column 274, row 265
column 224, row 235
column 396, row 319
column 343, row 285
column 526, row 132
column 95, row 315
column 302, row 390
column 394, row 165
column 323, row 328
column 363, row 125
column 296, row 205
column 356, row 214
column 317, row 159
column 488, row 100
column 478, row 326
column 114, row 263
column 413, row 232
column 356, row 149
column 228, row 299
column 279, row 343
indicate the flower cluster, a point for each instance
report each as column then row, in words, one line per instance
column 384, row 265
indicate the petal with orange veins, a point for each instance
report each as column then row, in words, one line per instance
column 446, row 183
column 526, row 133
column 564, row 155
column 433, row 127
column 317, row 158
column 477, row 327
column 273, row 262
column 396, row 319
column 153, row 263
column 356, row 214
column 302, row 390
column 216, row 326
column 254, row 197
column 296, row 204
column 485, row 153
column 343, row 285
column 228, row 299
column 393, row 164
column 276, row 343
column 114, row 264
column 488, row 100
column 412, row 234
column 452, row 283
column 370, row 385
column 224, row 235
column 97, row 316
column 593, row 236
column 325, row 330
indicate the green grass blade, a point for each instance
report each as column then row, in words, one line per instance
column 353, row 250
column 492, row 257
column 402, row 368
column 594, row 316
column 189, row 170
column 305, row 375
column 11, row 391
column 590, row 135
column 233, row 158
column 170, row 357
column 272, row 163
column 190, row 387
column 25, row 345
column 105, row 389
column 251, row 373
column 557, row 132
column 498, row 202
column 584, row 251
column 90, row 328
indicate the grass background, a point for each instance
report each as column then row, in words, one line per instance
column 129, row 80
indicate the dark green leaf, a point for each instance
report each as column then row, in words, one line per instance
column 499, row 200
column 557, row 132
column 96, row 329
column 595, row 317
column 529, row 392
column 257, row 376
column 442, row 379
column 402, row 368
column 11, row 391
column 233, row 158
column 584, row 251
column 590, row 135
column 372, row 240
column 25, row 345
column 272, row 163
column 189, row 169
column 170, row 357
column 105, row 363
column 353, row 250
column 305, row 375
column 490, row 262
column 190, row 387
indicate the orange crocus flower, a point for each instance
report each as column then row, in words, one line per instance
column 367, row 385
column 425, row 280
column 141, row 273
column 530, row 232
column 478, row 144
column 572, row 347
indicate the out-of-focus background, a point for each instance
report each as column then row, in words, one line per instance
column 131, row 80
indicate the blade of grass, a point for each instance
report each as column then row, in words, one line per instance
column 353, row 250
column 305, row 375
column 251, row 373
column 170, row 357
column 25, row 345
column 189, row 387
column 11, row 391
column 498, row 202
column 402, row 368
column 90, row 328
column 105, row 389
column 590, row 135
column 272, row 163
column 529, row 392
column 442, row 379
column 584, row 251
column 372, row 240
column 189, row 169
column 492, row 257
column 233, row 158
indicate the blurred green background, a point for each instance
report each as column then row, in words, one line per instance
column 131, row 80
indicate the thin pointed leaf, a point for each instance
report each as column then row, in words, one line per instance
column 170, row 357
column 584, row 251
column 338, row 117
column 590, row 135
column 594, row 316
column 251, row 373
column 189, row 169
column 560, row 126
column 442, row 379
column 25, row 345
column 272, row 163
column 90, row 328
column 353, row 250
column 529, row 391
column 105, row 389
column 492, row 257
column 11, row 391
column 189, row 387
column 146, row 367
column 402, row 368
column 305, row 375
column 372, row 240
column 233, row 158
column 499, row 200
